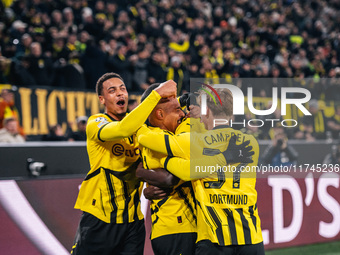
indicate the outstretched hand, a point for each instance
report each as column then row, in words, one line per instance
column 241, row 153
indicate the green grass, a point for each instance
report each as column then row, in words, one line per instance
column 313, row 249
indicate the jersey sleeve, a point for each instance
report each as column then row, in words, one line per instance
column 192, row 169
column 111, row 131
column 166, row 143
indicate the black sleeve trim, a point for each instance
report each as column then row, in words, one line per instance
column 100, row 130
column 166, row 162
column 167, row 144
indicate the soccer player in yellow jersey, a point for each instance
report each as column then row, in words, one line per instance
column 112, row 222
column 227, row 214
column 174, row 216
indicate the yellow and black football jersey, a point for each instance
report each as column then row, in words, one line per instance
column 177, row 212
column 111, row 191
column 180, row 147
column 226, row 204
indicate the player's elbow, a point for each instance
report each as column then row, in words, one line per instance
column 126, row 133
column 140, row 139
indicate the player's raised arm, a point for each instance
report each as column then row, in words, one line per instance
column 191, row 169
column 127, row 125
column 177, row 145
column 197, row 167
column 109, row 196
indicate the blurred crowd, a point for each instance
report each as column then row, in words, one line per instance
column 71, row 43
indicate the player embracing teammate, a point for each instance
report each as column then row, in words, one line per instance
column 224, row 203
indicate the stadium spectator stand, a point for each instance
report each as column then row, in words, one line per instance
column 223, row 38
column 149, row 41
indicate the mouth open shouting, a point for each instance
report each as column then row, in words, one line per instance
column 121, row 103
column 120, row 106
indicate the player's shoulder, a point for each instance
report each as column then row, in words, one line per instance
column 154, row 129
column 158, row 130
column 98, row 120
column 95, row 123
column 246, row 136
column 100, row 117
column 252, row 139
column 184, row 126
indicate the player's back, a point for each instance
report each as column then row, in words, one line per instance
column 227, row 210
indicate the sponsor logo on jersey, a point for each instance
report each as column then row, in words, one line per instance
column 119, row 150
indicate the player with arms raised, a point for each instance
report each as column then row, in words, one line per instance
column 112, row 222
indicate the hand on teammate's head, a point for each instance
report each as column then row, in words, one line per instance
column 167, row 89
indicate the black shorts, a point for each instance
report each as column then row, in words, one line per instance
column 98, row 237
column 183, row 243
column 205, row 247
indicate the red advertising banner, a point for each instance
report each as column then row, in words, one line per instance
column 37, row 216
column 299, row 211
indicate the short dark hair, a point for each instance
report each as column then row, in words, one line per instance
column 105, row 77
column 148, row 91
